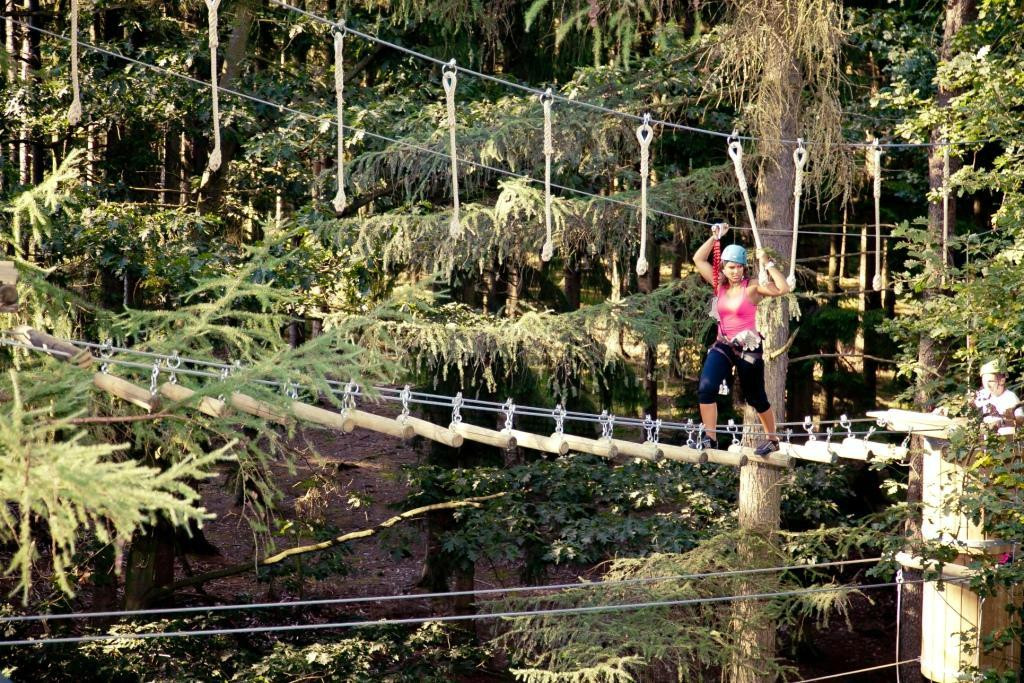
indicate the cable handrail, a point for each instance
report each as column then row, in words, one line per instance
column 424, row 596
column 511, row 614
column 394, row 394
column 342, row 26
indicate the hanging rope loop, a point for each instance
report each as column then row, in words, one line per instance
column 75, row 111
column 215, row 156
column 340, row 200
column 799, row 161
column 546, row 100
column 644, row 135
column 736, row 154
column 449, row 79
column 876, row 169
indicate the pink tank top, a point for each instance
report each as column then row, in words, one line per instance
column 736, row 313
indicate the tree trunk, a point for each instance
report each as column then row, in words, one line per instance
column 150, row 564
column 760, row 486
column 573, row 283
column 958, row 13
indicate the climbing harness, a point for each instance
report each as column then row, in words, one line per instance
column 799, row 161
column 75, row 111
column 449, row 78
column 339, row 87
column 736, row 154
column 644, row 135
column 211, row 7
column 876, row 168
column 546, row 98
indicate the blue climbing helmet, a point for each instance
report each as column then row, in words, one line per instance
column 735, row 253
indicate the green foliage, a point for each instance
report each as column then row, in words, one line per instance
column 685, row 641
column 51, row 472
column 432, row 652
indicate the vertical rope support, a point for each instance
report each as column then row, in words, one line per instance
column 340, row 201
column 644, row 135
column 211, row 7
column 546, row 99
column 75, row 111
column 799, row 161
column 876, row 169
column 449, row 79
column 736, row 154
column 945, row 207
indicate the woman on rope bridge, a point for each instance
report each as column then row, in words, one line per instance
column 738, row 344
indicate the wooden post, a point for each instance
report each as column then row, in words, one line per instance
column 951, row 610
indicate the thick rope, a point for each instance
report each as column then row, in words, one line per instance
column 799, row 161
column 945, row 209
column 75, row 111
column 736, row 154
column 211, row 7
column 449, row 79
column 876, row 168
column 546, row 99
column 644, row 135
column 339, row 87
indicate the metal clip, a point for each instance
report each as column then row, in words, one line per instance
column 173, row 363
column 700, row 437
column 649, row 427
column 106, row 351
column 456, row 408
column 789, row 434
column 732, row 429
column 906, row 439
column 689, row 434
column 348, row 400
column 607, row 423
column 291, row 390
column 809, row 426
column 405, row 396
column 153, row 377
column 844, row 422
column 723, row 389
column 510, row 410
column 657, row 430
column 559, row 416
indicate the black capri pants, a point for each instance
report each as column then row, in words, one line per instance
column 749, row 366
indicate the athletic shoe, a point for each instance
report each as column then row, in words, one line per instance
column 707, row 443
column 767, row 447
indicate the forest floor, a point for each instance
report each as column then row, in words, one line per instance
column 370, row 465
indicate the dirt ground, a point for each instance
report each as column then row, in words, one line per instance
column 370, row 464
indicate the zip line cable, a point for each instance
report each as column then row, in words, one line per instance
column 591, row 609
column 394, row 394
column 425, row 596
column 408, row 145
column 596, row 107
column 858, row 671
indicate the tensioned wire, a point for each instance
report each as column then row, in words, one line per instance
column 596, row 107
column 425, row 596
column 420, row 398
column 402, row 143
column 869, row 669
column 468, row 617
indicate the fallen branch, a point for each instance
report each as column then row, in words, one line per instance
column 110, row 419
column 772, row 355
column 277, row 558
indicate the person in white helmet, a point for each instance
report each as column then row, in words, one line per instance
column 1000, row 407
column 738, row 344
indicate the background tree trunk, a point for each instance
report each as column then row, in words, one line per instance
column 929, row 360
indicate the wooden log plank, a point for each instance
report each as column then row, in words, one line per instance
column 127, row 391
column 377, row 423
column 65, row 351
column 600, row 447
column 683, row 454
column 547, row 444
column 327, row 418
column 491, row 437
column 207, row 404
column 429, row 430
